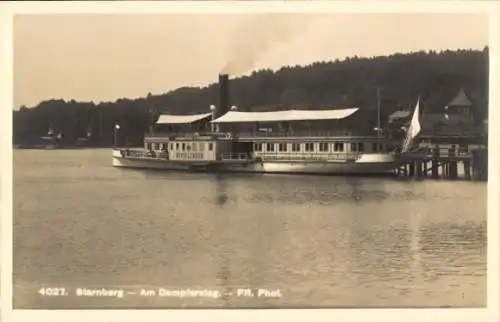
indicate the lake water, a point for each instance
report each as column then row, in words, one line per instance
column 320, row 241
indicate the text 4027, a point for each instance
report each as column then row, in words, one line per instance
column 52, row 291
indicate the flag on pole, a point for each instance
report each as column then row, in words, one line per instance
column 413, row 129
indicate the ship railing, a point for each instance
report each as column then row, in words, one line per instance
column 144, row 155
column 236, row 156
column 162, row 155
column 309, row 156
column 189, row 156
column 133, row 154
column 293, row 133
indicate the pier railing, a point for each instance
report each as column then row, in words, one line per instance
column 440, row 153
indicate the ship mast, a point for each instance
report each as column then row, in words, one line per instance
column 378, row 113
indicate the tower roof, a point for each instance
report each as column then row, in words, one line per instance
column 460, row 99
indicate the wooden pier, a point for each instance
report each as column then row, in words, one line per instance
column 447, row 161
column 451, row 145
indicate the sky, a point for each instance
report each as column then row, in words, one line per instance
column 92, row 57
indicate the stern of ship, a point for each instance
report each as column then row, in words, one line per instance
column 117, row 156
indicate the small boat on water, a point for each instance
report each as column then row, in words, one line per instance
column 50, row 141
column 54, row 141
column 228, row 140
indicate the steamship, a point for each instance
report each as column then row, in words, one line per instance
column 228, row 140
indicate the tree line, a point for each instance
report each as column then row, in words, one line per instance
column 400, row 78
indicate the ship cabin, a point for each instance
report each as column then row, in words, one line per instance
column 193, row 138
column 183, row 137
column 289, row 134
column 304, row 134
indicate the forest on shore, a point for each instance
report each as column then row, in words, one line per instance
column 401, row 78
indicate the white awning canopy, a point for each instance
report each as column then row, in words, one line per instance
column 281, row 116
column 181, row 119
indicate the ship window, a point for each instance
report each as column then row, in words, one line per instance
column 323, row 147
column 282, row 147
column 309, row 147
column 270, row 147
column 354, row 147
column 361, row 147
column 177, row 146
column 295, row 147
column 210, row 146
column 338, row 147
column 202, row 146
column 149, row 146
column 258, row 147
column 171, row 146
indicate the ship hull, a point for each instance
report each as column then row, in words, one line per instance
column 288, row 167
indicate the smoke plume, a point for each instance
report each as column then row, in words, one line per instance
column 257, row 36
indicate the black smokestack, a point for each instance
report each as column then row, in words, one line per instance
column 223, row 107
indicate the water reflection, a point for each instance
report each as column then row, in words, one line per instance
column 221, row 190
column 329, row 191
column 410, row 255
column 392, row 243
column 223, row 231
column 324, row 241
column 454, row 249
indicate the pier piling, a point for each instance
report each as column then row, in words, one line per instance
column 467, row 169
column 454, row 169
column 412, row 169
column 435, row 168
column 444, row 157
